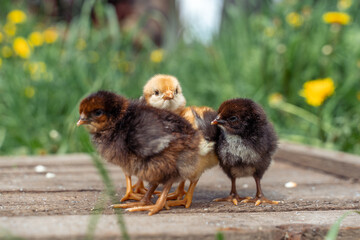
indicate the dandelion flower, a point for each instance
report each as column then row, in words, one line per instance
column 16, row 16
column 29, row 92
column 344, row 4
column 1, row 37
column 336, row 18
column 316, row 91
column 36, row 39
column 10, row 29
column 21, row 47
column 50, row 35
column 294, row 19
column 37, row 70
column 275, row 99
column 157, row 56
column 6, row 52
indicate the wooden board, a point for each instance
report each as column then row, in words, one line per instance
column 36, row 207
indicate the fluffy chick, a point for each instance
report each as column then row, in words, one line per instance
column 245, row 145
column 153, row 144
column 164, row 91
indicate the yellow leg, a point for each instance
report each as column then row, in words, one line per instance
column 130, row 195
column 179, row 192
column 160, row 203
column 259, row 198
column 187, row 199
column 144, row 201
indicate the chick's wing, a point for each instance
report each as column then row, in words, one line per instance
column 150, row 134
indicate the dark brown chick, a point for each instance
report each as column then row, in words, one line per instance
column 164, row 91
column 245, row 145
column 153, row 144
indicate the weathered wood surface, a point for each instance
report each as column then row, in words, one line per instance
column 337, row 163
column 35, row 207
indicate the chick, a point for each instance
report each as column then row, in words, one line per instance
column 164, row 91
column 245, row 145
column 153, row 144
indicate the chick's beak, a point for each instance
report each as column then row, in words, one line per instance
column 217, row 121
column 168, row 95
column 82, row 120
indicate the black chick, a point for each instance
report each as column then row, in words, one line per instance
column 153, row 144
column 245, row 145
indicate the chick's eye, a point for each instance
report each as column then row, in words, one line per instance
column 98, row 113
column 176, row 91
column 156, row 92
column 233, row 119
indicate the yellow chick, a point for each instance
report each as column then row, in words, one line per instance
column 164, row 91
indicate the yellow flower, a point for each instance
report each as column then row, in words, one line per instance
column 36, row 39
column 16, row 16
column 50, row 35
column 316, row 91
column 157, row 56
column 81, row 44
column 275, row 98
column 336, row 17
column 37, row 70
column 10, row 29
column 269, row 31
column 344, row 4
column 1, row 37
column 29, row 92
column 6, row 52
column 294, row 19
column 21, row 47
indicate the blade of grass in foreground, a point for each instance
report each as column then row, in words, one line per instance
column 334, row 230
column 109, row 193
column 100, row 206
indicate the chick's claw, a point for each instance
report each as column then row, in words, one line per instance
column 235, row 199
column 130, row 205
column 131, row 196
column 259, row 200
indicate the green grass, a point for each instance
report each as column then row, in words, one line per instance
column 254, row 55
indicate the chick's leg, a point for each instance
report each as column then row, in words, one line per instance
column 233, row 196
column 130, row 195
column 160, row 203
column 187, row 199
column 145, row 200
column 259, row 198
column 179, row 192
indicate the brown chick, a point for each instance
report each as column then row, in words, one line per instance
column 245, row 145
column 153, row 144
column 164, row 91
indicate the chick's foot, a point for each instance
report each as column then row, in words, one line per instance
column 130, row 195
column 179, row 192
column 259, row 200
column 160, row 203
column 234, row 198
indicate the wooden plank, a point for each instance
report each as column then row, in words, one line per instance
column 337, row 163
column 269, row 225
column 53, row 160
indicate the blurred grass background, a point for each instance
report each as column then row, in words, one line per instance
column 264, row 50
